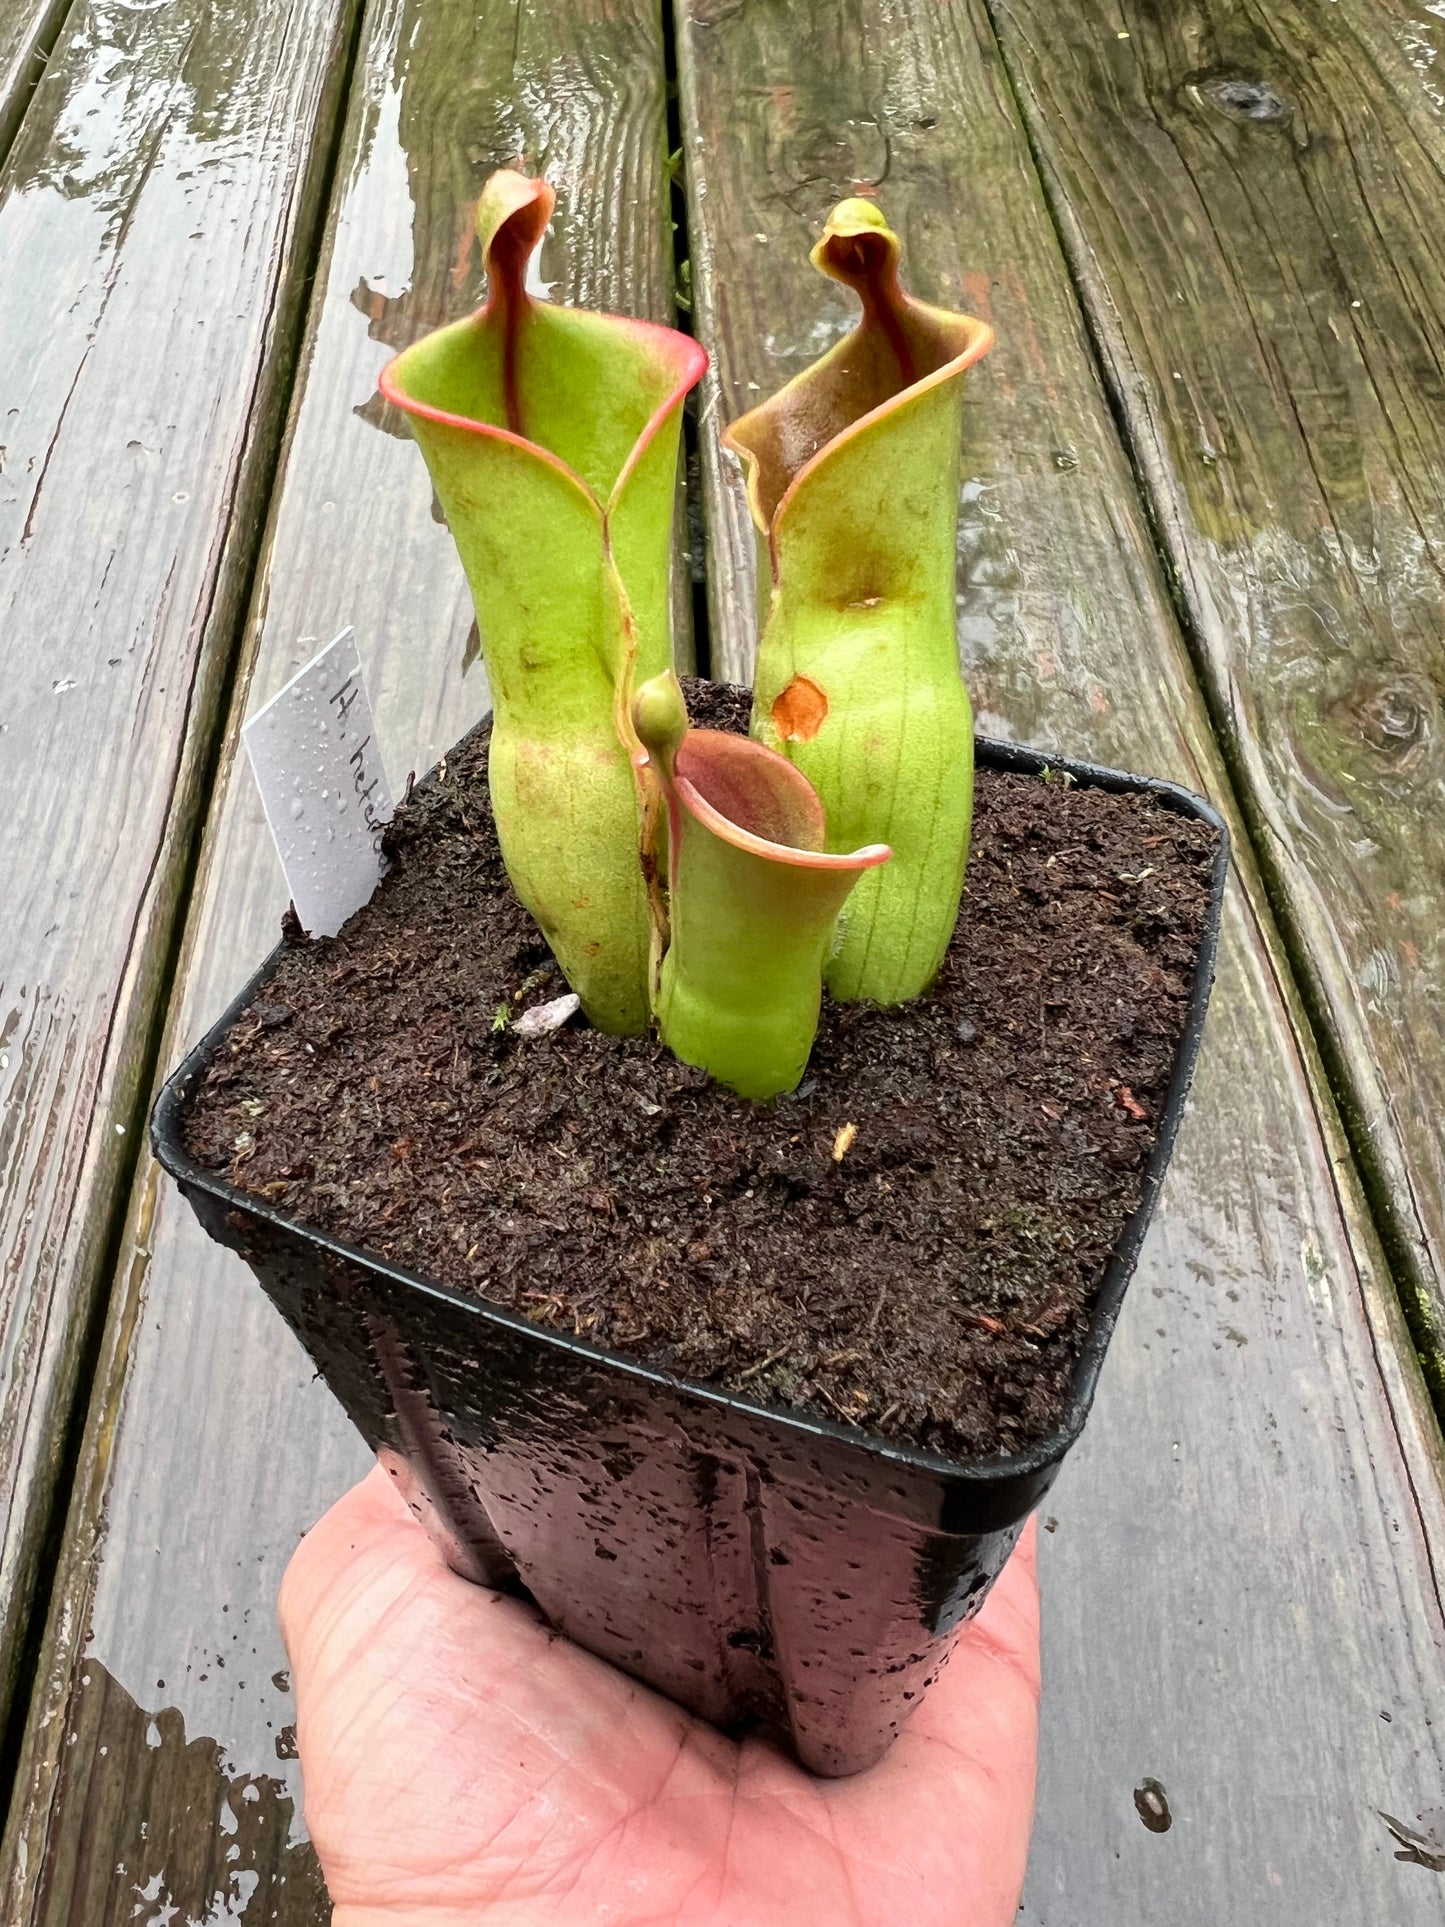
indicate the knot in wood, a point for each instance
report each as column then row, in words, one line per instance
column 1244, row 99
column 1393, row 716
column 1151, row 1803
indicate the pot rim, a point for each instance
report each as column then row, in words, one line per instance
column 168, row 1145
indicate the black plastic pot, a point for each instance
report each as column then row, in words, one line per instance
column 762, row 1568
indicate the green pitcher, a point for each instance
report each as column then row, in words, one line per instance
column 753, row 898
column 853, row 475
column 551, row 435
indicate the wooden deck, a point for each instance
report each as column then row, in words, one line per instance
column 1203, row 535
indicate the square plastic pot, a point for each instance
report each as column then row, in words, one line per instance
column 763, row 1568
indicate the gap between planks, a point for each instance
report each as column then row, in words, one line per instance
column 26, row 41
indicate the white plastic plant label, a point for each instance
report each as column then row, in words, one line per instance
column 316, row 761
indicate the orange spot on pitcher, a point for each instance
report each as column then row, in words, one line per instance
column 800, row 711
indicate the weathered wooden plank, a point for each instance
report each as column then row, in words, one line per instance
column 1239, row 1595
column 155, row 219
column 1250, row 200
column 27, row 33
column 210, row 1447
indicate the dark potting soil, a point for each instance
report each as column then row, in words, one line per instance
column 911, row 1242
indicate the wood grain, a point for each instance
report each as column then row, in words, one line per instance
column 210, row 1446
column 155, row 219
column 1250, row 200
column 1240, row 1578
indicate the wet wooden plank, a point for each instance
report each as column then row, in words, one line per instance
column 155, row 218
column 1240, row 1598
column 27, row 33
column 210, row 1447
column 1250, row 199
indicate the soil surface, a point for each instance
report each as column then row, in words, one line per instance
column 911, row 1242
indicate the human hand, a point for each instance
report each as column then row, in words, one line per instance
column 465, row 1768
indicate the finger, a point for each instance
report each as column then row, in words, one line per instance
column 369, row 1528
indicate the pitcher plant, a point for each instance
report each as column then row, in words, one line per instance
column 852, row 476
column 551, row 435
column 752, row 898
column 685, row 875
